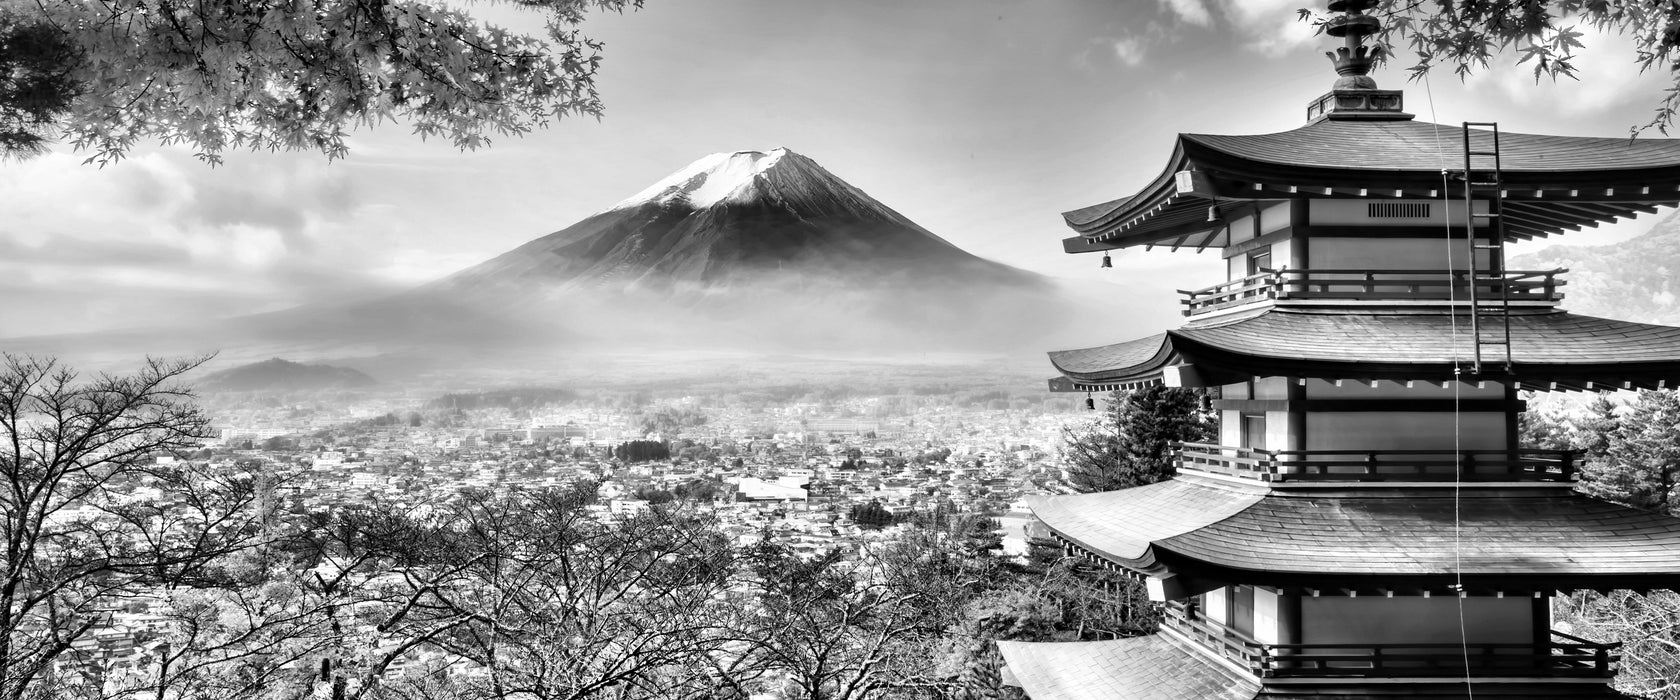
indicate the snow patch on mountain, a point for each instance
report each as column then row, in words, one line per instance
column 711, row 180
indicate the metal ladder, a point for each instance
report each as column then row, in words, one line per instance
column 1490, row 309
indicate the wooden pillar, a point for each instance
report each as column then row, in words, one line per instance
column 1297, row 414
column 1299, row 234
column 1542, row 620
column 1513, row 420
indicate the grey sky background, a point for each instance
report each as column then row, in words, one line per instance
column 982, row 120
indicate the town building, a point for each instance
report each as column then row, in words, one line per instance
column 1369, row 525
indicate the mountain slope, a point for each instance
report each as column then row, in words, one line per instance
column 729, row 217
column 283, row 375
column 761, row 251
column 1634, row 280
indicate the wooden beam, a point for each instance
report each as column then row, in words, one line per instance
column 1596, row 212
column 1213, row 234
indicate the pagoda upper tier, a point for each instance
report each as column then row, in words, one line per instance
column 1551, row 184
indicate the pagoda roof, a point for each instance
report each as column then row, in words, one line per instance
column 1550, row 349
column 1551, row 183
column 1386, row 537
column 1155, row 667
column 1161, row 667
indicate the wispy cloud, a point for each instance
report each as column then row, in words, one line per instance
column 1269, row 27
column 1129, row 50
column 1192, row 11
column 250, row 236
column 1606, row 79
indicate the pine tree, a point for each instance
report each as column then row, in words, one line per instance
column 1132, row 444
column 1640, row 463
column 1594, row 432
column 1544, row 430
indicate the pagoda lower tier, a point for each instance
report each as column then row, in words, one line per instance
column 1169, row 666
column 1200, row 531
column 1349, row 589
column 1368, row 524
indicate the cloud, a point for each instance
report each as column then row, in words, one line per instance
column 1269, row 27
column 159, row 239
column 1192, row 11
column 1606, row 79
column 1129, row 50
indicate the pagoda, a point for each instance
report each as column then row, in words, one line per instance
column 1368, row 525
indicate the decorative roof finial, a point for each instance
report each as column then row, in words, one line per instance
column 1353, row 61
column 1355, row 94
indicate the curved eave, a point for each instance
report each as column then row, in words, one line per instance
column 1132, row 362
column 1550, row 351
column 1154, row 667
column 1123, row 526
column 1371, row 538
column 1099, row 217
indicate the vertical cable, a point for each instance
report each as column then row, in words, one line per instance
column 1458, row 370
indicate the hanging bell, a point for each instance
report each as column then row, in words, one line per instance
column 1213, row 214
column 1090, row 403
column 1107, row 261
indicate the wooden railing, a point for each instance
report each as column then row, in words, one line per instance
column 1427, row 285
column 1378, row 465
column 1563, row 656
column 1236, row 646
column 1257, row 287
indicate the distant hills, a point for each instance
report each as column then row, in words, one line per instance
column 283, row 375
column 1634, row 280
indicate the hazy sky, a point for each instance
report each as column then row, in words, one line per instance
column 980, row 119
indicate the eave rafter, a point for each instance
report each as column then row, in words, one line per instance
column 1186, row 362
column 1161, row 563
column 1538, row 203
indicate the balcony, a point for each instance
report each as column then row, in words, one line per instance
column 1377, row 465
column 1438, row 286
column 1564, row 656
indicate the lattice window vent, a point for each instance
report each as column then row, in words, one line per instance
column 1397, row 210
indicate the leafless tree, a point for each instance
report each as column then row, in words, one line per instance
column 94, row 521
column 532, row 596
column 1647, row 625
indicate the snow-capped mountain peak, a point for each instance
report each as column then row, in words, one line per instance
column 713, row 179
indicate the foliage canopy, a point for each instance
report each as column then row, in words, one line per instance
column 1544, row 34
column 260, row 74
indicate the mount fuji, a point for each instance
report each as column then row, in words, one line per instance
column 752, row 251
column 730, row 219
